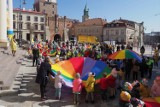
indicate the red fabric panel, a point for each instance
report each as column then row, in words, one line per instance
column 152, row 104
column 77, row 63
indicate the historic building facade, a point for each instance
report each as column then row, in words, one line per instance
column 58, row 26
column 90, row 27
column 124, row 31
column 29, row 25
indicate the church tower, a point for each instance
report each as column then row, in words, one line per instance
column 85, row 14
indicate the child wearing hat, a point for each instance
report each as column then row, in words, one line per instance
column 125, row 99
column 77, row 87
column 90, row 87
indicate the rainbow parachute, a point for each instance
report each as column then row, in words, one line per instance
column 82, row 65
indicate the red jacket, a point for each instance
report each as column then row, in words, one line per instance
column 111, row 81
column 103, row 83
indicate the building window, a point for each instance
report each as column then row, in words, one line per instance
column 28, row 25
column 42, row 19
column 28, row 18
column 28, row 37
column 42, row 37
column 53, row 6
column 117, row 32
column 44, row 4
column 14, row 17
column 14, row 25
column 53, row 12
column 20, row 26
column 20, row 17
column 36, row 19
column 122, row 32
column 107, row 32
column 42, row 27
column 36, row 27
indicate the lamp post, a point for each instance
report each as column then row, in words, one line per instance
column 20, row 23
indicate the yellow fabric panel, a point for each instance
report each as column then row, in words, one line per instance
column 56, row 67
column 121, row 55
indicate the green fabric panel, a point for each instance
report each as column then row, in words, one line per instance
column 106, row 70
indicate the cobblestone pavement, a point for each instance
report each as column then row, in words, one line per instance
column 25, row 92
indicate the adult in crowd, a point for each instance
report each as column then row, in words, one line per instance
column 35, row 52
column 143, row 68
column 142, row 50
column 150, row 64
column 13, row 45
column 128, row 67
column 42, row 76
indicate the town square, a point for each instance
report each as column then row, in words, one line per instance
column 56, row 53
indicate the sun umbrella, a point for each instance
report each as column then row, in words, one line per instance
column 82, row 65
column 125, row 54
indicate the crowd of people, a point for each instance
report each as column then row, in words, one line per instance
column 132, row 89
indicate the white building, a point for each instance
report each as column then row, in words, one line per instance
column 29, row 25
column 124, row 31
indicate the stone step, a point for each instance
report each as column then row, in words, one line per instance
column 9, row 67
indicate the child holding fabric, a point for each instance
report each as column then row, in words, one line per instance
column 103, row 87
column 90, row 87
column 58, row 85
column 77, row 87
column 111, row 82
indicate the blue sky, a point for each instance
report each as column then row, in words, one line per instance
column 135, row 10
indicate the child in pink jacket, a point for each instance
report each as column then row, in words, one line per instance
column 77, row 86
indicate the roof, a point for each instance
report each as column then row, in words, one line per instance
column 27, row 11
column 119, row 23
column 91, row 22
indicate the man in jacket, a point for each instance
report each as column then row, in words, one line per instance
column 35, row 53
column 42, row 76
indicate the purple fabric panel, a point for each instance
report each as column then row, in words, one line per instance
column 88, row 65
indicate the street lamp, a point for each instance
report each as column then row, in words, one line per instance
column 20, row 23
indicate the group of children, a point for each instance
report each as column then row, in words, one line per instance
column 130, row 94
column 134, row 94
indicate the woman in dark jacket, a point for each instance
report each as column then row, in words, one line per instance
column 42, row 76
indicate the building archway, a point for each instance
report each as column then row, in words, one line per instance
column 57, row 37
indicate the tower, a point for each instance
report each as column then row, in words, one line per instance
column 46, row 6
column 85, row 14
column 49, row 7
